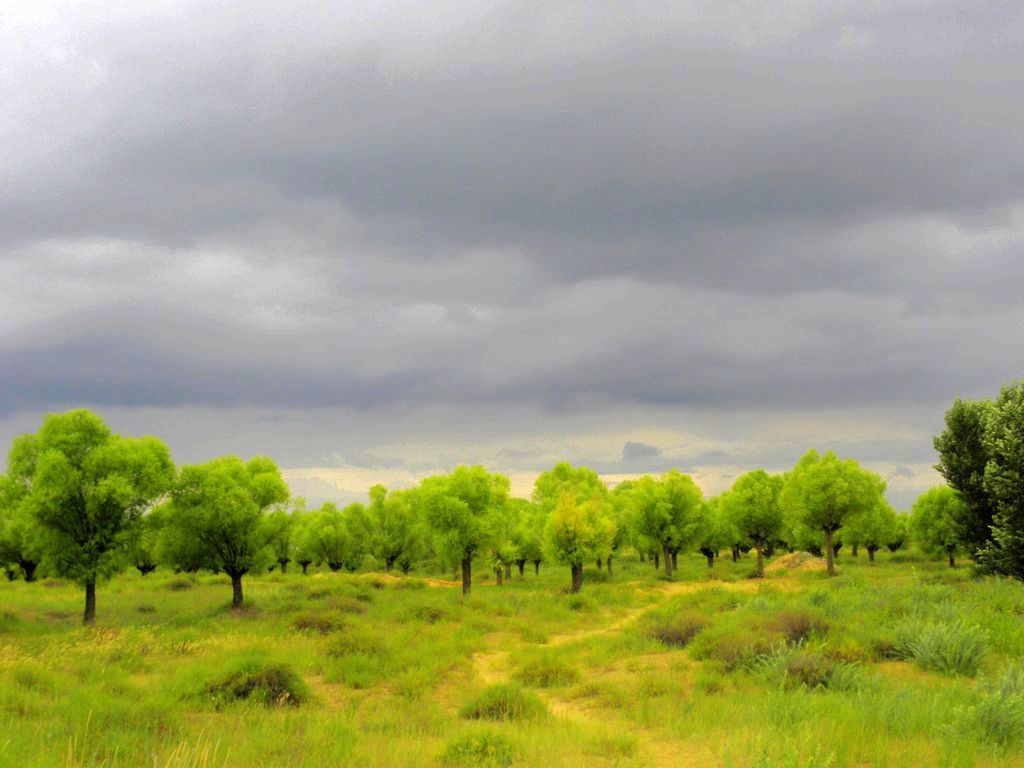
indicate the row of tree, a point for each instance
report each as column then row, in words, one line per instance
column 86, row 502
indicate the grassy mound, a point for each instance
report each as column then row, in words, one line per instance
column 270, row 685
column 505, row 701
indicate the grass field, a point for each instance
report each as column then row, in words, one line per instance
column 903, row 663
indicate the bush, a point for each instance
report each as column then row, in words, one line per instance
column 735, row 647
column 430, row 614
column 677, row 631
column 797, row 626
column 180, row 584
column 486, row 749
column 799, row 668
column 505, row 701
column 317, row 623
column 265, row 684
column 546, row 672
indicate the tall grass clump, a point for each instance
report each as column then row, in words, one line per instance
column 999, row 715
column 676, row 631
column 954, row 648
column 480, row 749
column 504, row 701
column 546, row 671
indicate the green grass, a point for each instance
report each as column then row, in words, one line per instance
column 900, row 663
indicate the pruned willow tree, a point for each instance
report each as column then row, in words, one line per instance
column 220, row 509
column 459, row 509
column 823, row 492
column 753, row 510
column 936, row 523
column 395, row 536
column 85, row 489
column 667, row 512
column 579, row 529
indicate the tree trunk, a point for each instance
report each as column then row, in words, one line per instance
column 855, row 548
column 657, row 561
column 609, row 566
column 236, row 591
column 28, row 570
column 305, row 568
column 675, row 562
column 522, row 567
column 467, row 575
column 952, row 560
column 829, row 555
column 283, row 562
column 735, row 554
column 508, row 570
column 600, row 563
column 710, row 557
column 90, row 603
column 497, row 575
column 577, row 578
column 871, row 555
column 536, row 567
column 387, row 565
column 668, row 562
column 760, row 558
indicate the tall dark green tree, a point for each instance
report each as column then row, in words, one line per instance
column 963, row 457
column 1004, row 483
column 86, row 489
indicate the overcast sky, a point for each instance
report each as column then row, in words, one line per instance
column 377, row 239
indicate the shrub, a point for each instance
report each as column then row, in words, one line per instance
column 265, row 684
column 346, row 604
column 179, row 584
column 318, row 623
column 486, row 749
column 546, row 672
column 735, row 647
column 430, row 614
column 799, row 668
column 505, row 701
column 796, row 626
column 677, row 631
column 358, row 642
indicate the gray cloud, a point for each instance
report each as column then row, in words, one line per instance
column 578, row 215
column 635, row 451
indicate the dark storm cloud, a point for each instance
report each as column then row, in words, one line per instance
column 546, row 206
column 633, row 451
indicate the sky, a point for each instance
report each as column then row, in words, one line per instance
column 375, row 240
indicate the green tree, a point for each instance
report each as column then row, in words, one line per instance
column 963, row 457
column 86, row 489
column 667, row 512
column 752, row 507
column 872, row 528
column 715, row 531
column 528, row 534
column 221, row 507
column 579, row 529
column 143, row 550
column 823, row 492
column 1004, row 483
column 936, row 523
column 458, row 509
column 395, row 534
column 337, row 537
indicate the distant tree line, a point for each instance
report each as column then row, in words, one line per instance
column 83, row 503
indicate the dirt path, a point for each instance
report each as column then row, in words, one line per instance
column 493, row 665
